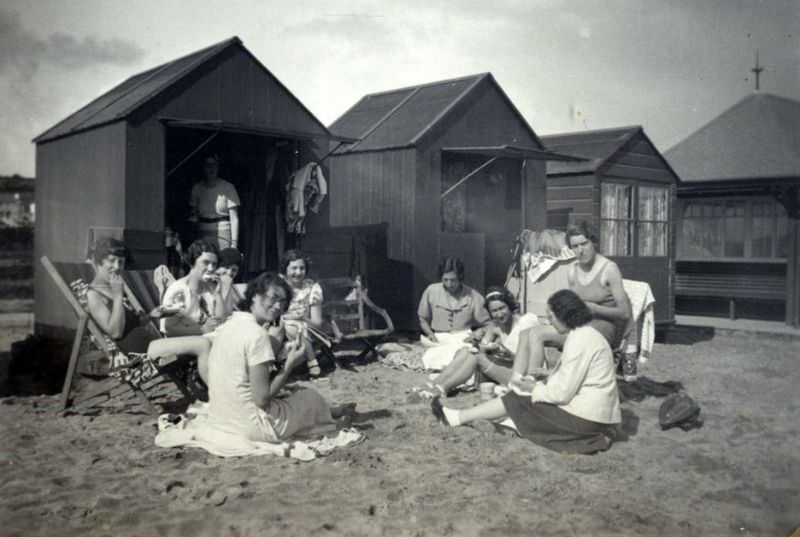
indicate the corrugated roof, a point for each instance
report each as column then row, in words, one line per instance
column 401, row 117
column 597, row 146
column 120, row 101
column 758, row 137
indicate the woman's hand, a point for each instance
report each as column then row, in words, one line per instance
column 522, row 386
column 117, row 285
column 296, row 356
column 433, row 339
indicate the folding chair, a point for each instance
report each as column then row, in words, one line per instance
column 351, row 315
column 61, row 273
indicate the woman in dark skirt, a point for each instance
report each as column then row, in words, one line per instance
column 576, row 409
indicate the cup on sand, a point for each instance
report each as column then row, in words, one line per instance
column 487, row 390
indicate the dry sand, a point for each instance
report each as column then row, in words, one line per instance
column 738, row 475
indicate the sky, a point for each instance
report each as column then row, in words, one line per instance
column 568, row 65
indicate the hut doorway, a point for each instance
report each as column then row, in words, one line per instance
column 481, row 216
column 258, row 167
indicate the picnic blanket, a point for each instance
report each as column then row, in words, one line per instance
column 193, row 430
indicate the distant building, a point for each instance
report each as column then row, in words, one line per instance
column 17, row 208
column 739, row 212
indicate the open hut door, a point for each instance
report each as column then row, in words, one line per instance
column 484, row 206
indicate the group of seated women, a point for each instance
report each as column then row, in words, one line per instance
column 241, row 340
column 566, row 405
column 237, row 352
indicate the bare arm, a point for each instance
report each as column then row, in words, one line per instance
column 612, row 278
column 425, row 327
column 111, row 322
column 264, row 388
column 233, row 214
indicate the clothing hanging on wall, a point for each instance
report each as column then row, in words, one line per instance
column 305, row 190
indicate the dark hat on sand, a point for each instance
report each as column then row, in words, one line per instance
column 229, row 256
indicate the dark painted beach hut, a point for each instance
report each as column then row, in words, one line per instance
column 452, row 168
column 627, row 189
column 739, row 212
column 125, row 163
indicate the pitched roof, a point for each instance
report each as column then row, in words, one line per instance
column 597, row 146
column 758, row 137
column 122, row 100
column 401, row 117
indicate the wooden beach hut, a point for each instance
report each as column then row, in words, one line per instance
column 452, row 168
column 739, row 212
column 125, row 163
column 626, row 188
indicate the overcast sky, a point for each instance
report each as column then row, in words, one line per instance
column 670, row 66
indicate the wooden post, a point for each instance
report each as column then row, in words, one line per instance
column 793, row 273
column 73, row 359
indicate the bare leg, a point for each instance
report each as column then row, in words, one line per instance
column 530, row 354
column 497, row 373
column 490, row 410
column 458, row 371
column 172, row 346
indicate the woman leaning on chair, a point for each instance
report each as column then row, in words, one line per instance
column 577, row 408
column 119, row 321
column 598, row 282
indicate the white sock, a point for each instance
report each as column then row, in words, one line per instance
column 452, row 416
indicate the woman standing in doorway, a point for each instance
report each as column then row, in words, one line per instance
column 214, row 205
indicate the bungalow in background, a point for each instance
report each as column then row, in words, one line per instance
column 739, row 212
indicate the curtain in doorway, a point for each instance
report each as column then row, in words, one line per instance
column 261, row 248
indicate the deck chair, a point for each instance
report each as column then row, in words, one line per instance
column 351, row 316
column 61, row 274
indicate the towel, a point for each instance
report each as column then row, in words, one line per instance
column 193, row 430
column 441, row 353
column 642, row 307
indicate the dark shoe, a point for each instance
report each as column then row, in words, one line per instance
column 438, row 413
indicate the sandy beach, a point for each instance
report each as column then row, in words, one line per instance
column 99, row 473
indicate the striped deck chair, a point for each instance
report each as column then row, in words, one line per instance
column 129, row 373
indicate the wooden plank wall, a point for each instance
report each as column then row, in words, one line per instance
column 236, row 89
column 576, row 193
column 375, row 187
column 79, row 184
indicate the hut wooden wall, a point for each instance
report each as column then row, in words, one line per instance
column 375, row 187
column 235, row 88
column 484, row 118
column 80, row 183
column 577, row 194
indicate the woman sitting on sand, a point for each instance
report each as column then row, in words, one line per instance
column 494, row 354
column 244, row 392
column 447, row 311
column 303, row 317
column 576, row 409
column 598, row 282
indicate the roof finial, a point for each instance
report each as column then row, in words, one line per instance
column 757, row 70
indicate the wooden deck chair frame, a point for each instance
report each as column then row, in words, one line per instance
column 359, row 306
column 110, row 387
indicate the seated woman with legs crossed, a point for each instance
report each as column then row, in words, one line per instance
column 494, row 354
column 576, row 409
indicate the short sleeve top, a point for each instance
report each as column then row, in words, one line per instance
column 192, row 306
column 215, row 201
column 310, row 294
column 239, row 344
column 448, row 313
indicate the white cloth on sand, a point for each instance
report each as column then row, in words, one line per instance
column 440, row 354
column 193, row 430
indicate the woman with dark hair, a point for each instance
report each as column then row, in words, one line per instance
column 243, row 382
column 494, row 354
column 214, row 206
column 598, row 282
column 575, row 409
column 304, row 313
column 447, row 311
column 117, row 319
column 195, row 296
